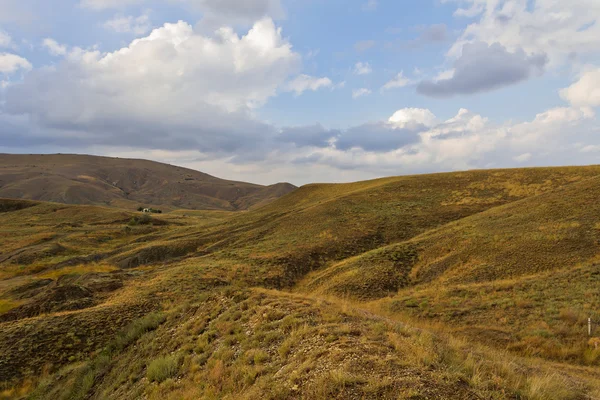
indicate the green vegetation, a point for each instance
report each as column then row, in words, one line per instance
column 163, row 368
column 135, row 330
column 466, row 285
column 140, row 220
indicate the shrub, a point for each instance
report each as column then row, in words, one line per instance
column 135, row 330
column 163, row 368
column 140, row 220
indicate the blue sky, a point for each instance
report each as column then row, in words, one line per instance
column 304, row 90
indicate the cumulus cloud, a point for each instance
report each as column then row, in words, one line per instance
column 586, row 91
column 54, row 48
column 362, row 68
column 413, row 118
column 303, row 82
column 556, row 28
column 524, row 39
column 465, row 141
column 399, row 81
column 129, row 24
column 356, row 93
column 11, row 63
column 173, row 88
column 483, row 67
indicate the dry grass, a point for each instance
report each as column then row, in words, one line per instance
column 163, row 368
column 477, row 283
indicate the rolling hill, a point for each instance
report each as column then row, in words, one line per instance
column 466, row 285
column 126, row 183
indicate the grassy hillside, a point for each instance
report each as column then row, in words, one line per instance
column 522, row 276
column 466, row 285
column 553, row 230
column 125, row 183
column 319, row 224
column 213, row 341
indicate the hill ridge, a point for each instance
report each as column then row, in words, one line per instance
column 126, row 183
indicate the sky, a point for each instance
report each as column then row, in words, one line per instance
column 304, row 91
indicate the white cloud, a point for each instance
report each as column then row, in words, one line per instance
column 410, row 117
column 362, row 68
column 11, row 63
column 524, row 38
column 356, row 93
column 305, row 82
column 586, row 91
column 54, row 48
column 563, row 115
column 558, row 29
column 466, row 141
column 399, row 81
column 129, row 24
column 172, row 88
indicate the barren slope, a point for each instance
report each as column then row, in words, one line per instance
column 81, row 179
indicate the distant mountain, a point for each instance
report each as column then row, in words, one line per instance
column 127, row 183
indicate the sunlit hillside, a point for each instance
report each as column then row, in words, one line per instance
column 463, row 285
